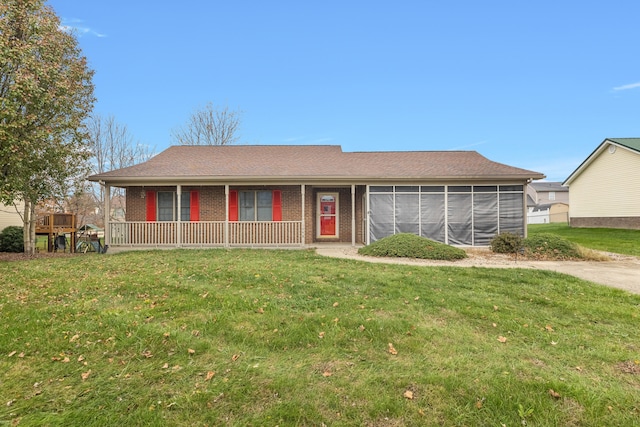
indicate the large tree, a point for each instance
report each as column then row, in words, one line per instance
column 46, row 93
column 210, row 126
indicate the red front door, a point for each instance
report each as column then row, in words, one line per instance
column 327, row 214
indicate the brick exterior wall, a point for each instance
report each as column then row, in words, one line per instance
column 632, row 223
column 212, row 206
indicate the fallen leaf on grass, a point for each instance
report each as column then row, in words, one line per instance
column 11, row 354
column 326, row 374
column 85, row 375
column 321, row 335
column 210, row 375
column 235, row 357
column 392, row 349
column 408, row 394
column 549, row 328
column 191, row 351
column 502, row 339
column 554, row 394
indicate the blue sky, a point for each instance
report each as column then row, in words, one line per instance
column 537, row 85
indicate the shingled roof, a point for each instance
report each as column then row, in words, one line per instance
column 304, row 163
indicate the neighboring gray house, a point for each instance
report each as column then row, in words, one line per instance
column 547, row 202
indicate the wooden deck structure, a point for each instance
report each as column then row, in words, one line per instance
column 57, row 224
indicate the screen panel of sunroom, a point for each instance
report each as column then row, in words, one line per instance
column 407, row 218
column 382, row 216
column 485, row 218
column 432, row 216
column 459, row 219
column 511, row 209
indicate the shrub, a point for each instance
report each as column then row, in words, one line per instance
column 11, row 239
column 551, row 246
column 506, row 243
column 405, row 245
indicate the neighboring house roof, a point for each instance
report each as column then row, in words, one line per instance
column 549, row 186
column 245, row 163
column 546, row 206
column 631, row 144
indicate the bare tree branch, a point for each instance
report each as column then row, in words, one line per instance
column 210, row 126
column 112, row 147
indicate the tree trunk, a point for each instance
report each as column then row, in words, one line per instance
column 29, row 229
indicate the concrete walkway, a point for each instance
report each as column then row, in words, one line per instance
column 622, row 272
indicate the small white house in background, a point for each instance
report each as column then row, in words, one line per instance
column 605, row 188
column 547, row 202
column 10, row 215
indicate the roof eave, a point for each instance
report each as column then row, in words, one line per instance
column 310, row 180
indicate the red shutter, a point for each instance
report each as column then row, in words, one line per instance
column 194, row 207
column 277, row 205
column 151, row 205
column 233, row 205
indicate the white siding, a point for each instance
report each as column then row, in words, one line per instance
column 9, row 216
column 608, row 187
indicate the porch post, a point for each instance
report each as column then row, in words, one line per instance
column 179, row 224
column 226, row 215
column 366, row 212
column 353, row 215
column 304, row 235
column 107, row 214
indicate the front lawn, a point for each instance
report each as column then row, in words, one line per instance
column 249, row 337
column 603, row 239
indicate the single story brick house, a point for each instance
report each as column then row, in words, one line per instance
column 262, row 195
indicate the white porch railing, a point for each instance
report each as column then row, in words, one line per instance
column 206, row 233
column 265, row 233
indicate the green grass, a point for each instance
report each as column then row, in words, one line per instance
column 603, row 239
column 247, row 337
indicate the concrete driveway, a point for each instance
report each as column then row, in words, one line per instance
column 622, row 272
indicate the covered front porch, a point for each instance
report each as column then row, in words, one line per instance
column 215, row 216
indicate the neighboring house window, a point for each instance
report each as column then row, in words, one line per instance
column 163, row 206
column 552, row 195
column 259, row 205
